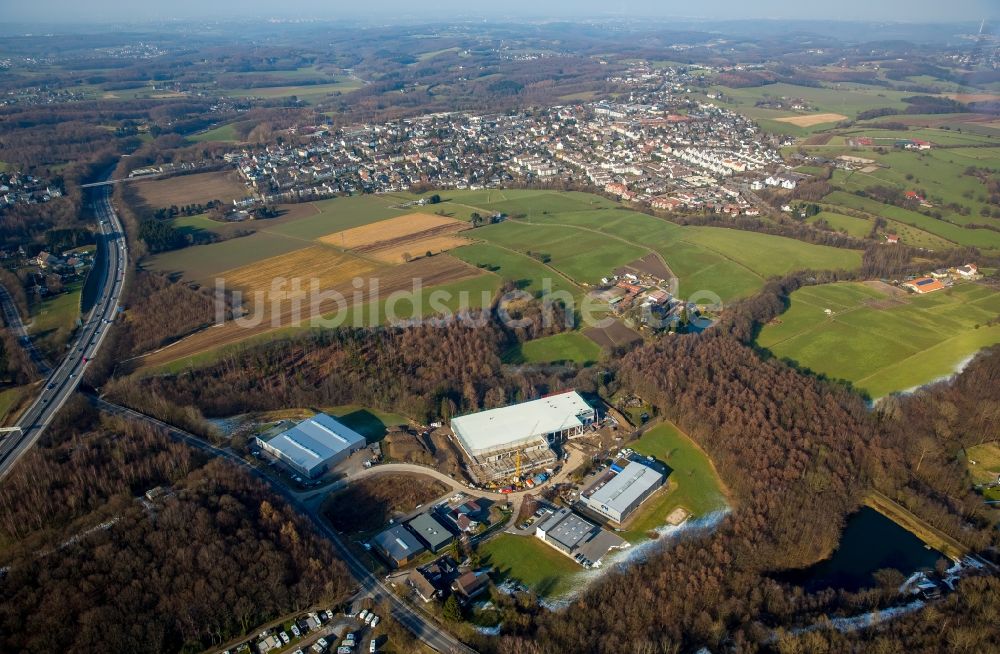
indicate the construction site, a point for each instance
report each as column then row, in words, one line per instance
column 513, row 441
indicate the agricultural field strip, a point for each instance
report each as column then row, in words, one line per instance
column 958, row 335
column 824, row 324
column 942, row 325
column 558, row 272
column 615, row 236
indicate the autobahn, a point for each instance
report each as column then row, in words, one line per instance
column 63, row 381
column 416, row 621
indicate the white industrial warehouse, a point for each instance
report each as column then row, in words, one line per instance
column 313, row 446
column 621, row 494
column 493, row 438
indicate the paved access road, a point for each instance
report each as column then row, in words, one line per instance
column 63, row 381
column 12, row 319
column 418, row 622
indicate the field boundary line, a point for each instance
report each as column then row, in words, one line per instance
column 917, row 353
column 726, row 257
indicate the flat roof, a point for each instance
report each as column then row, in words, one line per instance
column 623, row 489
column 496, row 428
column 315, row 441
column 567, row 528
column 399, row 543
column 430, row 529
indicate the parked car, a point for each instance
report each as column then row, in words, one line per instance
column 295, row 630
column 284, row 637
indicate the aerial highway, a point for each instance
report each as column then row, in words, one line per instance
column 63, row 381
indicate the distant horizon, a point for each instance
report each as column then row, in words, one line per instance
column 119, row 12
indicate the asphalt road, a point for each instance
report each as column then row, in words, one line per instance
column 63, row 381
column 415, row 620
column 12, row 319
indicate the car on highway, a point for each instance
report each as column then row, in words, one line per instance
column 51, row 386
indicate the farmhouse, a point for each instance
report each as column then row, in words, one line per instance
column 314, row 445
column 398, row 545
column 492, row 439
column 924, row 285
column 621, row 494
column 968, row 271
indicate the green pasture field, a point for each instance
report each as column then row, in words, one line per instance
column 584, row 256
column 566, row 347
column 727, row 262
column 847, row 99
column 203, row 263
column 527, row 559
column 526, row 273
column 858, row 227
column 981, row 238
column 199, row 222
column 54, row 319
column 693, row 482
column 9, row 398
column 939, row 173
column 885, row 347
column 308, row 93
column 222, row 133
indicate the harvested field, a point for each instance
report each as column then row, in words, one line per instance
column 612, row 336
column 329, row 267
column 433, row 271
column 394, row 232
column 812, row 119
column 191, row 189
column 416, row 248
column 651, row 264
column 974, row 97
column 819, row 139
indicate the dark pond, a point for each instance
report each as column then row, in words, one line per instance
column 870, row 542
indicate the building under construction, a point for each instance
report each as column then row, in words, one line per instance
column 513, row 440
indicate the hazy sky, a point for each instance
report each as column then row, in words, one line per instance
column 142, row 10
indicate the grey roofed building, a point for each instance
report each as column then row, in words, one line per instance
column 430, row 530
column 565, row 530
column 623, row 493
column 398, row 545
column 312, row 446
